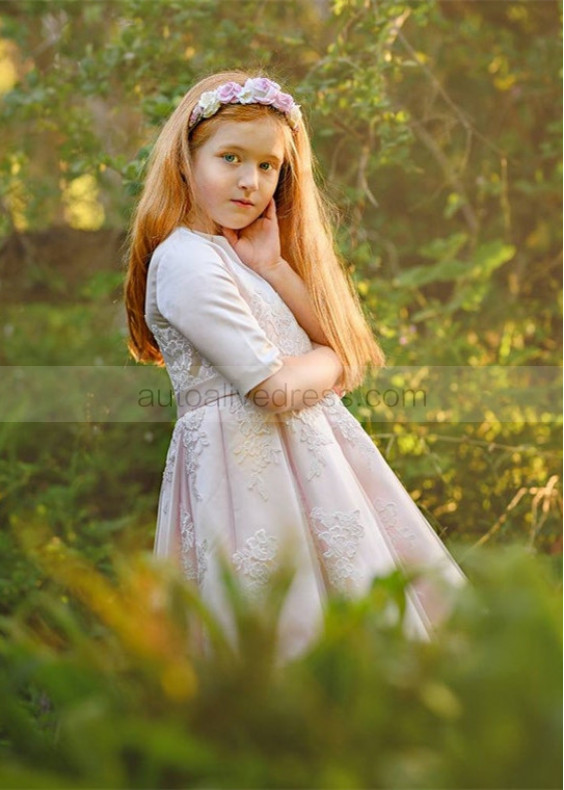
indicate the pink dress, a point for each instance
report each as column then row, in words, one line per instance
column 249, row 484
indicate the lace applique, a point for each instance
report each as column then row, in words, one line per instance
column 345, row 421
column 256, row 560
column 168, row 471
column 315, row 441
column 170, row 463
column 306, row 423
column 339, row 534
column 194, row 439
column 257, row 449
column 350, row 428
column 184, row 364
column 194, row 555
column 387, row 511
column 279, row 324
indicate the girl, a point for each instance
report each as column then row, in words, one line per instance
column 235, row 284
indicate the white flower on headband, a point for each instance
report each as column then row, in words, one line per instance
column 259, row 90
column 209, row 103
column 245, row 95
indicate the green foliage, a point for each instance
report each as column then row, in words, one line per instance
column 105, row 684
column 437, row 130
column 96, row 484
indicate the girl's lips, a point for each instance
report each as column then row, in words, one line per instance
column 243, row 203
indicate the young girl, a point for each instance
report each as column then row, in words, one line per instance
column 234, row 282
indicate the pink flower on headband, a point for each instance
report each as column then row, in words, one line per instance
column 262, row 90
column 228, row 93
column 259, row 90
column 284, row 102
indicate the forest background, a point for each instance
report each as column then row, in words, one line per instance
column 437, row 129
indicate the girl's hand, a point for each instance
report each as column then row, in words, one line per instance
column 258, row 245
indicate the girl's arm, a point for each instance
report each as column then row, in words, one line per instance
column 302, row 381
column 258, row 246
column 293, row 291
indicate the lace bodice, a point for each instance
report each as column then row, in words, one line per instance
column 220, row 326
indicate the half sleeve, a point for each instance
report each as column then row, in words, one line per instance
column 200, row 298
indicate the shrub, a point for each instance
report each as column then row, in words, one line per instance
column 103, row 684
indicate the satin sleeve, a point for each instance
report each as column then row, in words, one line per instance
column 198, row 296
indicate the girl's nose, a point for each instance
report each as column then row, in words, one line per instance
column 248, row 178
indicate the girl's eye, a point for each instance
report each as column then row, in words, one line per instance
column 229, row 157
column 266, row 166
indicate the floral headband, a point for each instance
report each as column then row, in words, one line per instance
column 255, row 91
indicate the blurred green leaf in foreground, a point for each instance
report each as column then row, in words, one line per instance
column 103, row 684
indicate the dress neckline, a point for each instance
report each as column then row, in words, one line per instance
column 205, row 235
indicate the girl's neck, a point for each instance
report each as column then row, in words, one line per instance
column 201, row 224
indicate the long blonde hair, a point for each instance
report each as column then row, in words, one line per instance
column 306, row 236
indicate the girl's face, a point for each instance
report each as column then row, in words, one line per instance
column 235, row 172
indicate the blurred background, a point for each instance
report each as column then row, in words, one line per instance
column 437, row 128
